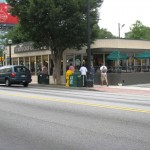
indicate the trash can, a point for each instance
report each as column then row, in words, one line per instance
column 90, row 80
column 43, row 79
column 79, row 81
column 76, row 79
column 89, row 83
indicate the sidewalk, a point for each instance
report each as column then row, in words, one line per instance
column 123, row 89
column 131, row 89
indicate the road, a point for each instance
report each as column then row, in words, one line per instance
column 37, row 118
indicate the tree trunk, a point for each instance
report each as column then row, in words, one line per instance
column 58, row 70
column 56, row 57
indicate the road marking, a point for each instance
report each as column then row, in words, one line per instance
column 80, row 103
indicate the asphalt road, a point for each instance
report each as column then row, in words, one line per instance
column 36, row 118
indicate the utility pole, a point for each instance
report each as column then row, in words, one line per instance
column 9, row 43
column 88, row 37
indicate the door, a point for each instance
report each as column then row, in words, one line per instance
column 2, row 75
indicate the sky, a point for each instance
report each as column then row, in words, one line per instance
column 125, row 12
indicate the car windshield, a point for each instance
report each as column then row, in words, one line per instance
column 21, row 69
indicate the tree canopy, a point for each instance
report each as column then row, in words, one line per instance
column 59, row 24
column 104, row 34
column 17, row 34
column 138, row 31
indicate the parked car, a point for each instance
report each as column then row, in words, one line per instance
column 15, row 74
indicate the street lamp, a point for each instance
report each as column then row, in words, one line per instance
column 119, row 28
column 9, row 43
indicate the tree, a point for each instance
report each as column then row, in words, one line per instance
column 59, row 24
column 104, row 33
column 17, row 35
column 138, row 31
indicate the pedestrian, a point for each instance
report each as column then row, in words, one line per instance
column 44, row 69
column 103, row 71
column 71, row 67
column 54, row 75
column 83, row 71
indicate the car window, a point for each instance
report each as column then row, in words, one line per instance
column 8, row 70
column 2, row 70
column 21, row 69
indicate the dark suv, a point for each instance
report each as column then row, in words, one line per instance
column 15, row 74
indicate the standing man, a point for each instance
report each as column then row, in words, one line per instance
column 83, row 71
column 44, row 69
column 103, row 71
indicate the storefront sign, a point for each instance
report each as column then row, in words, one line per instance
column 27, row 47
column 5, row 16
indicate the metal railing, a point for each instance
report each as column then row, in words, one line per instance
column 125, row 69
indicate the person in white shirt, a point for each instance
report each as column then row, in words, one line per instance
column 103, row 71
column 83, row 71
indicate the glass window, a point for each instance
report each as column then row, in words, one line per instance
column 38, row 64
column 21, row 61
column 15, row 61
column 3, row 70
column 97, row 60
column 45, row 59
column 8, row 70
column 27, row 62
column 32, row 64
column 78, row 61
column 21, row 69
column 69, row 60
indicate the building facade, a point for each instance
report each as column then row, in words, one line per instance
column 25, row 54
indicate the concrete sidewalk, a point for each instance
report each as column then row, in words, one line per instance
column 131, row 89
column 124, row 89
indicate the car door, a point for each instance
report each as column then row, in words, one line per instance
column 2, row 75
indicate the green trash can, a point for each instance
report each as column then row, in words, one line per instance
column 75, row 79
column 43, row 79
column 79, row 81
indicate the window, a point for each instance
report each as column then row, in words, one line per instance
column 21, row 61
column 8, row 70
column 27, row 62
column 15, row 61
column 32, row 63
column 20, row 69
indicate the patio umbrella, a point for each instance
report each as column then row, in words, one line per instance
column 144, row 55
column 116, row 55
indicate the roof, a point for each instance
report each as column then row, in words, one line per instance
column 123, row 45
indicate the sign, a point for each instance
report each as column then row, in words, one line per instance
column 27, row 47
column 5, row 16
column 71, row 80
column 1, row 59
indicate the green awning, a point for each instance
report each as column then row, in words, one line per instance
column 116, row 55
column 144, row 55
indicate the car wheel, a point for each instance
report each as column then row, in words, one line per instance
column 7, row 82
column 25, row 84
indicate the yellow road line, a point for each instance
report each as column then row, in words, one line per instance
column 79, row 103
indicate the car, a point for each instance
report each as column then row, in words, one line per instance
column 15, row 74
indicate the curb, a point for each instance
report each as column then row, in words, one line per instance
column 63, row 86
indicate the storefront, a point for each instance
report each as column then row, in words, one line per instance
column 25, row 54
